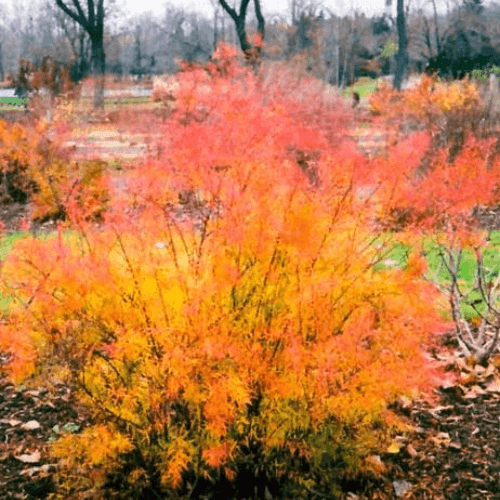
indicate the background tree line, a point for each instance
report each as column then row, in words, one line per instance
column 337, row 49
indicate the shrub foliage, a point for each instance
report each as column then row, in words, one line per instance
column 227, row 321
column 35, row 169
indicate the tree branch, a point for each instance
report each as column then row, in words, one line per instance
column 229, row 9
column 260, row 17
column 79, row 18
column 91, row 13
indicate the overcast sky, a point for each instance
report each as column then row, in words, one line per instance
column 268, row 6
column 339, row 7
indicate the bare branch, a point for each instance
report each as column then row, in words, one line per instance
column 79, row 18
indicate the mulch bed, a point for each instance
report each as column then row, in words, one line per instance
column 28, row 422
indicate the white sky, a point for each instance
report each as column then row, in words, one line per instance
column 268, row 6
column 339, row 7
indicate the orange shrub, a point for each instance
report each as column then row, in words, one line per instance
column 446, row 110
column 35, row 169
column 227, row 317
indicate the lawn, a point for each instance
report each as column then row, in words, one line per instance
column 364, row 87
column 13, row 101
column 438, row 273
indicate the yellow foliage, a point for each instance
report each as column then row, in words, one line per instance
column 262, row 325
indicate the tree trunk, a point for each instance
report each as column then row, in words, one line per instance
column 337, row 55
column 427, row 36
column 216, row 33
column 98, row 69
column 436, row 28
column 402, row 53
column 252, row 54
column 347, row 52
column 1, row 64
column 93, row 24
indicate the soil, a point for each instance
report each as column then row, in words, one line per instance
column 451, row 453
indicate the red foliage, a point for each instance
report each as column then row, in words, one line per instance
column 229, row 308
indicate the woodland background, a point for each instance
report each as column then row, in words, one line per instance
column 335, row 49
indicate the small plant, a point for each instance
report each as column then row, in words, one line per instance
column 482, row 75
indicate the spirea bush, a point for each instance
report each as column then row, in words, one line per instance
column 225, row 325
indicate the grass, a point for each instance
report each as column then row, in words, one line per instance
column 12, row 101
column 467, row 274
column 8, row 242
column 116, row 102
column 364, row 87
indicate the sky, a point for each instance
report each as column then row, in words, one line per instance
column 268, row 6
column 339, row 7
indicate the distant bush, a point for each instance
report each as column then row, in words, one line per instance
column 34, row 169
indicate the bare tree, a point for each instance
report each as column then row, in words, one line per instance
column 252, row 54
column 92, row 21
column 217, row 15
column 436, row 27
column 79, row 43
column 402, row 53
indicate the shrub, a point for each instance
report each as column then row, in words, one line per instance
column 226, row 325
column 438, row 183
column 447, row 111
column 35, row 169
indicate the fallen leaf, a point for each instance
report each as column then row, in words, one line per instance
column 32, row 425
column 494, row 386
column 35, row 392
column 411, row 451
column 12, row 421
column 394, row 447
column 474, row 392
column 29, row 458
column 442, row 408
column 401, row 487
column 375, row 463
column 443, row 438
column 405, row 402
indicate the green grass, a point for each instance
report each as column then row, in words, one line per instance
column 8, row 241
column 130, row 100
column 12, row 101
column 467, row 273
column 7, row 244
column 364, row 87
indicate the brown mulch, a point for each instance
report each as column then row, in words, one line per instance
column 30, row 417
column 453, row 452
